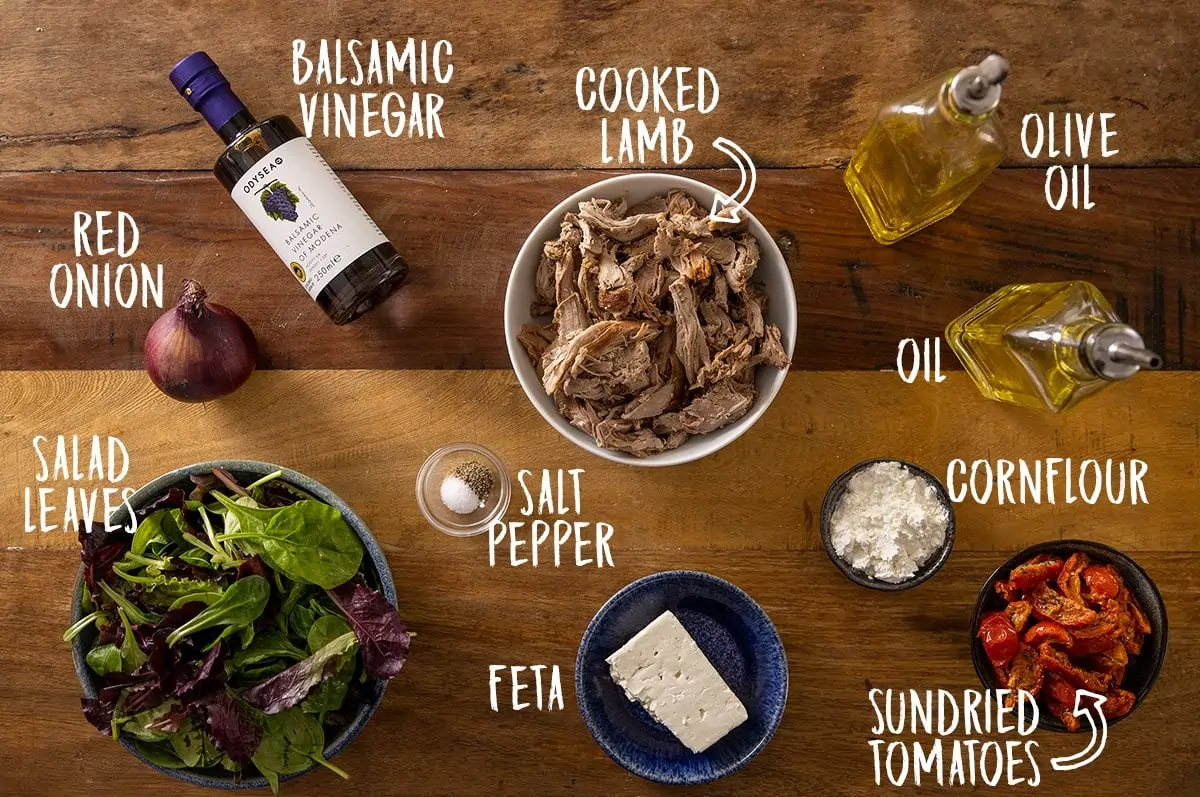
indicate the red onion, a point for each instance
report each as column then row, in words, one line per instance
column 198, row 350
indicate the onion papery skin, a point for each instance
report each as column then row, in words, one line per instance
column 199, row 351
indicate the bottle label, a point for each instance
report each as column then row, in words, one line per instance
column 306, row 214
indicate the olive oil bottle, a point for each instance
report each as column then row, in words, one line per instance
column 295, row 201
column 927, row 150
column 1047, row 345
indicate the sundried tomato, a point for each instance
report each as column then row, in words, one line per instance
column 1018, row 614
column 1036, row 571
column 1055, row 661
column 1047, row 631
column 1000, row 639
column 1069, row 583
column 1120, row 702
column 1050, row 604
column 1103, row 583
column 1026, row 672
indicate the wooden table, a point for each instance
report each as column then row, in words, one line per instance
column 90, row 122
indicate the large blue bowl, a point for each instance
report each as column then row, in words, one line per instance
column 374, row 567
column 734, row 633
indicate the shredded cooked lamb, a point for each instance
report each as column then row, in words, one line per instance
column 657, row 329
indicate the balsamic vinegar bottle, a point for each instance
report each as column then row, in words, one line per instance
column 294, row 199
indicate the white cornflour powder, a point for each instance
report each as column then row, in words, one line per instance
column 889, row 522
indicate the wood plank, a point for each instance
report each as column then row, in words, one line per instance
column 435, row 733
column 460, row 231
column 797, row 88
column 365, row 435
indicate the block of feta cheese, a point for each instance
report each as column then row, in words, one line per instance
column 664, row 670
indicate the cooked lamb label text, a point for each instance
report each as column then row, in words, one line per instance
column 551, row 537
column 78, row 480
column 958, row 761
column 1052, row 480
column 669, row 92
column 418, row 63
column 1068, row 136
column 527, row 685
column 921, row 360
column 117, row 281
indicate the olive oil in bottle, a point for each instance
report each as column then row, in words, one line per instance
column 927, row 150
column 1047, row 345
column 297, row 203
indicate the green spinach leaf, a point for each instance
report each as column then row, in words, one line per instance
column 105, row 659
column 306, row 541
column 239, row 606
column 270, row 644
column 157, row 753
column 132, row 656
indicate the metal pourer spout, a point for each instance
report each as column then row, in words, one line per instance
column 975, row 91
column 1116, row 351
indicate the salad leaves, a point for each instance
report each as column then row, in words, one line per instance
column 233, row 628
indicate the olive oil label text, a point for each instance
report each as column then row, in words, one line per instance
column 1067, row 137
column 117, row 281
column 314, row 224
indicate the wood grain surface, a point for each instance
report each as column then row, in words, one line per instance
column 365, row 434
column 86, row 88
column 435, row 733
column 460, row 232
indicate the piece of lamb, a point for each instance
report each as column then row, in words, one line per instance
column 579, row 413
column 614, row 284
column 721, row 251
column 609, row 217
column 621, row 436
column 771, row 351
column 658, row 398
column 668, row 423
column 751, row 304
column 728, row 363
column 720, row 405
column 719, row 330
column 739, row 272
column 536, row 339
column 683, row 255
column 566, row 273
column 623, row 370
column 690, row 346
column 685, row 216
column 654, row 204
column 591, row 342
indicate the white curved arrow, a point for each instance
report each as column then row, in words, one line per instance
column 726, row 207
column 1099, row 735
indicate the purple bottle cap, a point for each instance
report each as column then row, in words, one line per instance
column 199, row 80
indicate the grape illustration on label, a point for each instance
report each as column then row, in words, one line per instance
column 279, row 202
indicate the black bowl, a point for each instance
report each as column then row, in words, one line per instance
column 1143, row 669
column 834, row 495
column 374, row 568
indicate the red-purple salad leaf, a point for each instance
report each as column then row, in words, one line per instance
column 203, row 679
column 234, row 732
column 381, row 633
column 99, row 712
column 290, row 687
column 142, row 698
column 99, row 550
column 252, row 566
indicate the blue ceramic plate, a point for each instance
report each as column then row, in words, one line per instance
column 374, row 568
column 736, row 636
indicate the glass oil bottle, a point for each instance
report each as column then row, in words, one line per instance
column 927, row 150
column 1047, row 345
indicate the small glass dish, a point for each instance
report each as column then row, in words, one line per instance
column 429, row 490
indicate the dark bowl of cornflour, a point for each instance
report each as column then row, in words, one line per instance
column 1143, row 669
column 374, row 569
column 936, row 495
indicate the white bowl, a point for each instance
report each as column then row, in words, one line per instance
column 772, row 273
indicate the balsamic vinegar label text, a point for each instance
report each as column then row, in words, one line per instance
column 383, row 64
column 123, row 284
